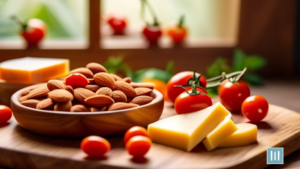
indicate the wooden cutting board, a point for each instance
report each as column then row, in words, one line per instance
column 20, row 148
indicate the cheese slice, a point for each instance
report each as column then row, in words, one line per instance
column 185, row 131
column 223, row 130
column 246, row 134
column 30, row 70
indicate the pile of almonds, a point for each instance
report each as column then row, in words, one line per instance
column 102, row 92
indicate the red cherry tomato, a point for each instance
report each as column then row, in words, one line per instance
column 138, row 146
column 76, row 80
column 232, row 95
column 135, row 131
column 34, row 31
column 181, row 79
column 186, row 103
column 255, row 108
column 152, row 34
column 5, row 114
column 95, row 146
column 118, row 23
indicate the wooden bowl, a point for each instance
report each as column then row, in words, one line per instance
column 81, row 124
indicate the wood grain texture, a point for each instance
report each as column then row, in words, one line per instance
column 81, row 124
column 22, row 149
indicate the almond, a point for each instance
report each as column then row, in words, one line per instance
column 121, row 105
column 70, row 89
column 84, row 71
column 104, row 91
column 146, row 85
column 96, row 109
column 99, row 100
column 60, row 95
column 40, row 91
column 119, row 96
column 55, row 84
column 141, row 100
column 104, row 79
column 21, row 99
column 125, row 88
column 142, row 91
column 27, row 91
column 81, row 94
column 30, row 103
column 46, row 104
column 127, row 79
column 129, row 99
column 116, row 77
column 92, row 87
column 80, row 108
column 96, row 67
column 63, row 106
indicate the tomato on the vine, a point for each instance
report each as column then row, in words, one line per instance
column 5, row 114
column 95, row 146
column 138, row 146
column 135, row 131
column 33, row 31
column 232, row 94
column 181, row 79
column 255, row 108
column 186, row 103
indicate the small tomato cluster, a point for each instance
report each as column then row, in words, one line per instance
column 136, row 139
column 234, row 95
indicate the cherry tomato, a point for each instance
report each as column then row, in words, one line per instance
column 33, row 31
column 95, row 146
column 232, row 95
column 76, row 80
column 181, row 79
column 138, row 146
column 135, row 131
column 186, row 103
column 152, row 34
column 5, row 114
column 255, row 108
column 118, row 23
column 159, row 85
column 178, row 32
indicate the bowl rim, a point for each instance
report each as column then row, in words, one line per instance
column 15, row 100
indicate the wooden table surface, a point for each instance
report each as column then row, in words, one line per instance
column 285, row 94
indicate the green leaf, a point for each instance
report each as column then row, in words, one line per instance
column 253, row 79
column 215, row 69
column 152, row 73
column 238, row 60
column 170, row 67
column 254, row 62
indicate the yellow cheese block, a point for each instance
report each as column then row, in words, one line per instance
column 246, row 134
column 223, row 130
column 185, row 131
column 30, row 70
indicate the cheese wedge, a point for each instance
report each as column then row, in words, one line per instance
column 223, row 130
column 185, row 131
column 246, row 134
column 31, row 70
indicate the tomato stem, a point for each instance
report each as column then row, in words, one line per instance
column 181, row 21
column 151, row 9
column 18, row 21
column 233, row 77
